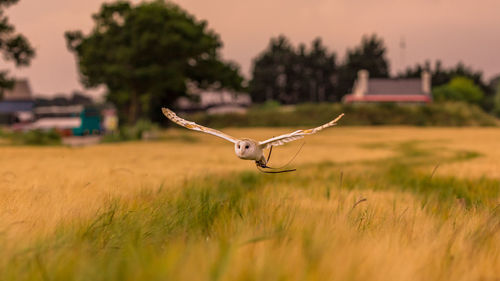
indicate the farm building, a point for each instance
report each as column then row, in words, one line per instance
column 385, row 90
column 16, row 104
column 74, row 116
column 77, row 120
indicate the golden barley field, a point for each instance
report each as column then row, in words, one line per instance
column 366, row 203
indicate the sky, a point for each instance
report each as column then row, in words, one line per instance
column 449, row 30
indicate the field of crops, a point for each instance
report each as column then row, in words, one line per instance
column 387, row 203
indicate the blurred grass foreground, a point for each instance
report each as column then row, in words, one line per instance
column 365, row 204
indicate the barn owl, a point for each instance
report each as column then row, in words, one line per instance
column 245, row 148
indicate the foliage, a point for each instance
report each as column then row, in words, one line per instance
column 459, row 89
column 442, row 76
column 76, row 98
column 291, row 75
column 295, row 75
column 14, row 46
column 369, row 55
column 497, row 100
column 270, row 105
column 308, row 115
column 140, row 130
column 147, row 54
column 35, row 137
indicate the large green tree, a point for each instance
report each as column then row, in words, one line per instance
column 147, row 55
column 459, row 89
column 14, row 46
column 291, row 75
column 369, row 55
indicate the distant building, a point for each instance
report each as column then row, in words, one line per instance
column 214, row 102
column 69, row 116
column 76, row 120
column 16, row 104
column 385, row 90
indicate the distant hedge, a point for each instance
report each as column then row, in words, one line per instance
column 35, row 137
column 435, row 114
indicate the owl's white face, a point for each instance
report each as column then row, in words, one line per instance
column 246, row 149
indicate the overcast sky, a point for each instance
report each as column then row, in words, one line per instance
column 450, row 30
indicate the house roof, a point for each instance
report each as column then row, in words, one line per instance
column 15, row 106
column 413, row 90
column 377, row 86
column 20, row 91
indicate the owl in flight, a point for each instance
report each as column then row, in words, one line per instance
column 249, row 149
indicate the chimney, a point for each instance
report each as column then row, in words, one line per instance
column 361, row 87
column 426, row 82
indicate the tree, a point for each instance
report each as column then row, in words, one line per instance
column 459, row 89
column 271, row 71
column 370, row 55
column 14, row 46
column 321, row 73
column 497, row 98
column 441, row 76
column 147, row 54
column 291, row 75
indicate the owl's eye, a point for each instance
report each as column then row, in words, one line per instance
column 247, row 147
column 238, row 146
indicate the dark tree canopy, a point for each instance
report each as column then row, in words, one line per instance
column 270, row 69
column 13, row 46
column 147, row 54
column 370, row 55
column 441, row 75
column 291, row 75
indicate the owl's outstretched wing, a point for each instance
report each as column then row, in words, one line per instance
column 193, row 126
column 280, row 140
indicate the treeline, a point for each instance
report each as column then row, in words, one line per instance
column 291, row 75
column 310, row 115
column 76, row 98
column 460, row 83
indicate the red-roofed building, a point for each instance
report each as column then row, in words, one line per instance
column 380, row 90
